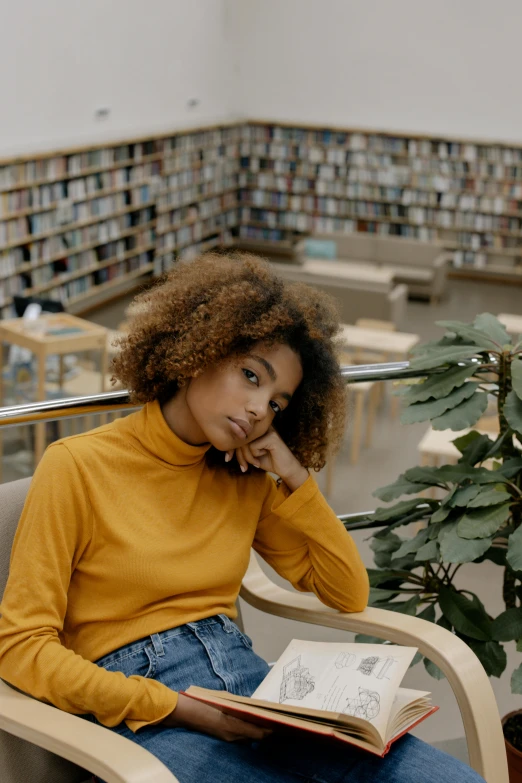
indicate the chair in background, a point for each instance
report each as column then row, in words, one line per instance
column 31, row 732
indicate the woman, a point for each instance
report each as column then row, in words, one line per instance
column 134, row 538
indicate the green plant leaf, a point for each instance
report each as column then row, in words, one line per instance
column 516, row 680
column 388, row 543
column 491, row 655
column 362, row 638
column 432, row 409
column 438, row 385
column 441, row 514
column 513, row 411
column 382, row 559
column 471, row 335
column 491, row 326
column 466, row 615
column 464, row 495
column 387, row 513
column 476, row 448
column 519, row 645
column 404, row 607
column 433, row 670
column 428, row 613
column 508, row 625
column 497, row 445
column 496, row 555
column 463, row 441
column 464, row 415
column 509, row 468
column 516, row 377
column 483, row 522
column 438, row 356
column 378, row 577
column 377, row 594
column 446, row 340
column 456, row 474
column 514, row 553
column 489, row 497
column 429, row 551
column 423, row 475
column 454, row 549
column 400, row 487
column 410, row 545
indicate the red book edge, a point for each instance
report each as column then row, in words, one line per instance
column 236, row 710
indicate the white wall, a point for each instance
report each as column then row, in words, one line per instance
column 447, row 67
column 60, row 60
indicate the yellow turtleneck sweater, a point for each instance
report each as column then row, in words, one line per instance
column 127, row 532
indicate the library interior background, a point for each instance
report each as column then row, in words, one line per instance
column 373, row 150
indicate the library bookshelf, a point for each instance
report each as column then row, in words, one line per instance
column 78, row 224
column 465, row 194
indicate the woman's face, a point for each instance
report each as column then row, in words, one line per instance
column 235, row 402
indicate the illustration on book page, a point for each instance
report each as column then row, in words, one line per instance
column 296, row 682
column 379, row 667
column 371, row 664
column 367, row 705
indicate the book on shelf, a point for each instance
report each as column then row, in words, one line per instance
column 347, row 692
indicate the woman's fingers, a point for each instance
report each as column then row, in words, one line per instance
column 233, row 729
column 245, row 457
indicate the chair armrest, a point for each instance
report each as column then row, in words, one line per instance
column 104, row 753
column 465, row 674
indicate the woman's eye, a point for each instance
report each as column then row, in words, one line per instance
column 275, row 407
column 252, row 377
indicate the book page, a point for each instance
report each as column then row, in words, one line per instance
column 360, row 680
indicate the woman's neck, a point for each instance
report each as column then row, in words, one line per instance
column 179, row 418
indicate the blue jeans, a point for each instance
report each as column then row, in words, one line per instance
column 213, row 653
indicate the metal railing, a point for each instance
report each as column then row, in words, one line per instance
column 108, row 402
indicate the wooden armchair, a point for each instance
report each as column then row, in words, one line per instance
column 40, row 744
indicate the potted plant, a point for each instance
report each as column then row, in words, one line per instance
column 477, row 514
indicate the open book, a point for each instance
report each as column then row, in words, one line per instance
column 346, row 691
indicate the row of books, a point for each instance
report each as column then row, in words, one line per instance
column 28, row 228
column 53, row 195
column 83, row 286
column 358, row 208
column 329, row 168
column 22, row 260
column 198, row 158
column 172, row 199
column 383, row 143
column 89, row 260
column 166, row 260
column 18, row 232
column 279, row 189
column 196, row 211
column 207, row 144
column 396, row 176
column 188, row 235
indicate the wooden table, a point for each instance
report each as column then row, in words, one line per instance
column 513, row 323
column 56, row 333
column 349, row 270
column 397, row 344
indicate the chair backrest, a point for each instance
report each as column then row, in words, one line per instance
column 21, row 761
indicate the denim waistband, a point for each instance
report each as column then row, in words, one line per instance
column 157, row 639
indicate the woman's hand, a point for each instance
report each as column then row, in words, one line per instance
column 197, row 716
column 270, row 453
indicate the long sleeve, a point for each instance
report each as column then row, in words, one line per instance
column 301, row 538
column 54, row 532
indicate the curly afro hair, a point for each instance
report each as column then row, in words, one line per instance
column 218, row 306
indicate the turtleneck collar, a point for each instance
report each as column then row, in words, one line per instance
column 157, row 438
